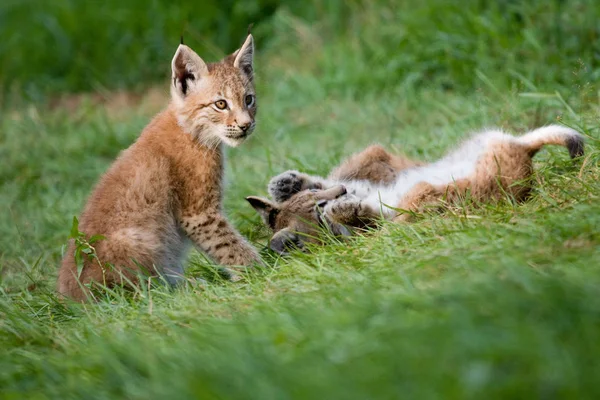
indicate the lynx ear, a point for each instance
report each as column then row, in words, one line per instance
column 285, row 241
column 244, row 57
column 186, row 66
column 267, row 210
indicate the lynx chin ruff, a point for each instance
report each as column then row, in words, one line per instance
column 166, row 188
column 374, row 184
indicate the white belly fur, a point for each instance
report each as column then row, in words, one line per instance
column 458, row 164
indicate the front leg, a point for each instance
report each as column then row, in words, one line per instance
column 214, row 235
column 283, row 186
column 352, row 212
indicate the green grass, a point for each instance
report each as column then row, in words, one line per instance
column 499, row 302
column 68, row 45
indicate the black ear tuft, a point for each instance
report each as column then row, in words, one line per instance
column 181, row 39
column 250, row 27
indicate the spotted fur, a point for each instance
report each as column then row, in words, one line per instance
column 166, row 189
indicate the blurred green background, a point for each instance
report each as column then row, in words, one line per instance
column 70, row 45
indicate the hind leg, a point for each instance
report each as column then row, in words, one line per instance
column 117, row 265
column 69, row 282
column 503, row 170
column 374, row 164
column 425, row 195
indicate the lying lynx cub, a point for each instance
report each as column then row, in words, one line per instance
column 166, row 188
column 374, row 184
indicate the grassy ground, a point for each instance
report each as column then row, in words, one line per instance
column 500, row 301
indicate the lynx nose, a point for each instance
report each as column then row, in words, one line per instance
column 244, row 127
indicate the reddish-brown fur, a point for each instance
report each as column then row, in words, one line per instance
column 166, row 188
column 503, row 171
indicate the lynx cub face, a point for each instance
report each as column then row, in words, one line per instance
column 299, row 219
column 216, row 103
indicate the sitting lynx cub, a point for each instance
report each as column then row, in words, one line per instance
column 374, row 184
column 166, row 188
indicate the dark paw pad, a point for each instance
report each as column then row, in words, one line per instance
column 284, row 186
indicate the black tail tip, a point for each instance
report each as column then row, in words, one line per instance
column 575, row 146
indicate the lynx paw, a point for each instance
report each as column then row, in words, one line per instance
column 346, row 211
column 287, row 184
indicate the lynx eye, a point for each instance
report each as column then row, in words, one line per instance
column 221, row 104
column 249, row 100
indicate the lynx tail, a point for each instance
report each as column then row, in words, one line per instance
column 554, row 134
